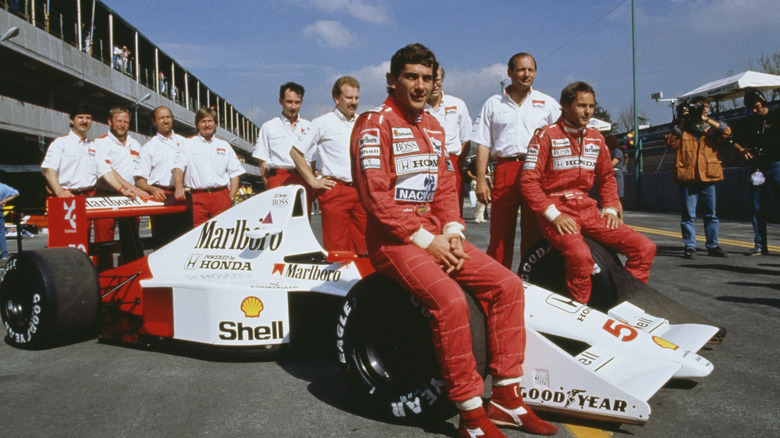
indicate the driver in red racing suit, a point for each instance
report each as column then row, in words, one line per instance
column 414, row 236
column 563, row 159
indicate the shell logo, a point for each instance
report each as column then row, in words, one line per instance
column 663, row 343
column 252, row 306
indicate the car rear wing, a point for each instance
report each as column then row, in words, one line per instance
column 69, row 217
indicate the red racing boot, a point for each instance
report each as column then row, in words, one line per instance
column 475, row 424
column 506, row 408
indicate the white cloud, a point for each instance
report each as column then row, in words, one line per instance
column 329, row 33
column 373, row 13
column 474, row 86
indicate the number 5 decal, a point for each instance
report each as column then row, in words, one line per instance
column 627, row 332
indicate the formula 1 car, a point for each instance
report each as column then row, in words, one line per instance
column 226, row 286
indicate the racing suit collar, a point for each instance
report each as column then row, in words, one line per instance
column 409, row 116
column 571, row 130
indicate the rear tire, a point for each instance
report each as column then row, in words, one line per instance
column 49, row 297
column 386, row 351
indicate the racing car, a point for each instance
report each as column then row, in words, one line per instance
column 226, row 286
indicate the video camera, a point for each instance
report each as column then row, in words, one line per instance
column 695, row 111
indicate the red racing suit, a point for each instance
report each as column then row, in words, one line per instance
column 559, row 171
column 407, row 187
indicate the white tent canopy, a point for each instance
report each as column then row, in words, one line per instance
column 733, row 87
column 599, row 124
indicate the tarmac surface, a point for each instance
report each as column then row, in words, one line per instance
column 97, row 389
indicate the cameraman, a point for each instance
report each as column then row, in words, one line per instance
column 695, row 139
column 760, row 131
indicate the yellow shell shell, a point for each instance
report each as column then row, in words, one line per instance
column 664, row 343
column 252, row 306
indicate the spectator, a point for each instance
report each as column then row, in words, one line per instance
column 760, row 132
column 7, row 194
column 616, row 155
column 415, row 236
column 454, row 117
column 502, row 131
column 695, row 138
column 117, row 58
column 479, row 207
column 563, row 161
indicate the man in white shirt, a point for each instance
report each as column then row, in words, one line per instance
column 276, row 137
column 502, row 132
column 154, row 174
column 73, row 164
column 453, row 115
column 343, row 217
column 122, row 153
column 209, row 167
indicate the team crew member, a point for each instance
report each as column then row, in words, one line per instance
column 276, row 138
column 415, row 236
column 154, row 173
column 453, row 115
column 122, row 153
column 208, row 167
column 343, row 217
column 73, row 164
column 563, row 160
column 502, row 132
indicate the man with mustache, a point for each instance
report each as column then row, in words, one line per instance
column 343, row 217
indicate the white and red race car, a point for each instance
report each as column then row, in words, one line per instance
column 227, row 284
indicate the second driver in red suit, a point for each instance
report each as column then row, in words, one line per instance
column 563, row 160
column 415, row 236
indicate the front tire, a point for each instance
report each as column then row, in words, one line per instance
column 49, row 297
column 386, row 351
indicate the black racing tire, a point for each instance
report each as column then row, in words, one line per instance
column 49, row 297
column 386, row 351
column 543, row 266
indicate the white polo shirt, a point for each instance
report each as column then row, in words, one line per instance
column 454, row 117
column 157, row 157
column 123, row 158
column 78, row 163
column 275, row 140
column 327, row 140
column 207, row 164
column 507, row 128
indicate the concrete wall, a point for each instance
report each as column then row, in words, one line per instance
column 659, row 193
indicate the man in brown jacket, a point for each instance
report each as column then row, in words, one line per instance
column 695, row 140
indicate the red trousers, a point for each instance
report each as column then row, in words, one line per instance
column 455, row 160
column 343, row 219
column 488, row 281
column 206, row 205
column 503, row 214
column 288, row 177
column 639, row 249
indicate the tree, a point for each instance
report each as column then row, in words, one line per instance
column 626, row 119
column 601, row 113
column 771, row 64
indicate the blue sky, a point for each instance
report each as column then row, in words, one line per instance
column 245, row 49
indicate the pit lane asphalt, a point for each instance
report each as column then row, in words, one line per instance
column 97, row 389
